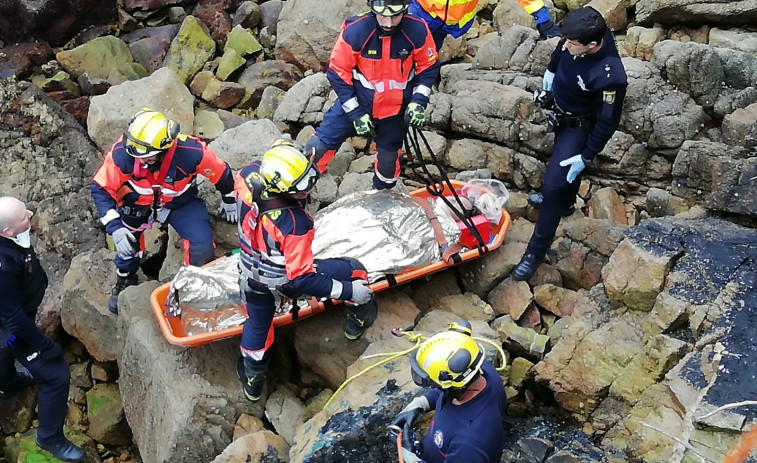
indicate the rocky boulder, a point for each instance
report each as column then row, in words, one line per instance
column 109, row 114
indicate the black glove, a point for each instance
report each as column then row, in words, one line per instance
column 411, row 446
column 544, row 98
column 411, row 412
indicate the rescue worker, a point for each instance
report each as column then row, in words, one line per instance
column 468, row 398
column 382, row 68
column 444, row 17
column 23, row 282
column 150, row 175
column 543, row 21
column 275, row 236
column 455, row 18
column 585, row 84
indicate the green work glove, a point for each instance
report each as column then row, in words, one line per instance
column 363, row 125
column 415, row 115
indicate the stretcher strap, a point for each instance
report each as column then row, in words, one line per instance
column 449, row 253
column 436, row 186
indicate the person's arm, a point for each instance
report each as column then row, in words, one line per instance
column 12, row 315
column 432, row 395
column 296, row 246
column 342, row 61
column 427, row 67
column 108, row 179
column 216, row 170
column 609, row 108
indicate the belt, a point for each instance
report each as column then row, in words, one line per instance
column 564, row 121
column 134, row 211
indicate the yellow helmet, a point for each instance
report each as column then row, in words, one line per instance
column 287, row 171
column 447, row 360
column 149, row 134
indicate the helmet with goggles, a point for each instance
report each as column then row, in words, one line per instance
column 388, row 7
column 150, row 133
column 451, row 359
column 287, row 171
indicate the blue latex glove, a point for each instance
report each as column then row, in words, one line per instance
column 576, row 164
column 546, row 82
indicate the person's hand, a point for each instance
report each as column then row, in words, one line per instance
column 544, row 98
column 363, row 125
column 228, row 212
column 576, row 164
column 415, row 115
column 123, row 241
column 361, row 293
column 546, row 82
column 411, row 411
column 410, row 445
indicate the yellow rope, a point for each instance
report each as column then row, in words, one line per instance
column 391, row 356
column 412, row 336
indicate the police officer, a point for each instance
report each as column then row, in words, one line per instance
column 22, row 286
column 382, row 68
column 276, row 259
column 585, row 84
column 150, row 174
column 468, row 398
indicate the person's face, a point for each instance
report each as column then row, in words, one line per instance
column 149, row 160
column 576, row 48
column 389, row 23
column 21, row 221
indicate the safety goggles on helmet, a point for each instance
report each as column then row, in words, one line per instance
column 446, row 360
column 150, row 133
column 286, row 170
column 388, row 7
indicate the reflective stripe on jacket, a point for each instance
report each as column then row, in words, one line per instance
column 377, row 72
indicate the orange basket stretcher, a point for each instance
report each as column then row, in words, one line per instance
column 174, row 333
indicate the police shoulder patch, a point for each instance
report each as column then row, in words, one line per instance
column 608, row 96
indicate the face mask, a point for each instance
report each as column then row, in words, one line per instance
column 23, row 239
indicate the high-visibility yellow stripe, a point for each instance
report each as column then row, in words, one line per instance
column 531, row 6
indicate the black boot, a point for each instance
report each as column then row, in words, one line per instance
column 122, row 282
column 359, row 318
column 527, row 267
column 252, row 375
column 64, row 450
column 535, row 200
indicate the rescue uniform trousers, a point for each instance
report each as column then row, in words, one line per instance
column 390, row 134
column 190, row 220
column 52, row 375
column 557, row 192
column 257, row 331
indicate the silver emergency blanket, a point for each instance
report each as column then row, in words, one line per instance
column 207, row 299
column 386, row 231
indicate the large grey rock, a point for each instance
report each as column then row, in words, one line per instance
column 246, row 143
column 656, row 113
column 109, row 114
column 695, row 165
column 715, row 12
column 307, row 30
column 499, row 113
column 259, row 76
column 181, row 403
column 692, row 68
column 306, row 101
column 736, row 39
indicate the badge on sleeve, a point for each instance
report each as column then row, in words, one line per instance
column 608, row 97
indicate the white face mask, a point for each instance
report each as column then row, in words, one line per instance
column 23, row 239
